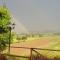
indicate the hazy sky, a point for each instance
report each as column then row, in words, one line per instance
column 36, row 15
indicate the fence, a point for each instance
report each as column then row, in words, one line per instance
column 36, row 54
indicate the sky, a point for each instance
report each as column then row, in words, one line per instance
column 36, row 15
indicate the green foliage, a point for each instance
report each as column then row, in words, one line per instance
column 4, row 19
column 24, row 38
column 2, row 43
column 4, row 16
column 18, row 38
column 4, row 31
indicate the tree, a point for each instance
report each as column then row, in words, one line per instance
column 4, row 17
column 4, row 31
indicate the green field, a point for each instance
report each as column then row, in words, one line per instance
column 54, row 43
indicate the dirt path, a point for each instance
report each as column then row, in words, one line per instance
column 30, row 44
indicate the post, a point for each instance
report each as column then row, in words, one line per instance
column 10, row 28
column 9, row 38
column 31, row 53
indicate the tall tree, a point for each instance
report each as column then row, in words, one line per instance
column 4, row 31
